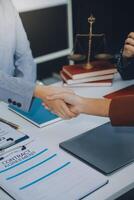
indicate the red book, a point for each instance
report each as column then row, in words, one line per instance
column 70, row 81
column 124, row 91
column 99, row 68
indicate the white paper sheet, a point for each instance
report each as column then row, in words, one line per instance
column 9, row 136
column 39, row 172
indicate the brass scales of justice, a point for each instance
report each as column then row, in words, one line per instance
column 79, row 57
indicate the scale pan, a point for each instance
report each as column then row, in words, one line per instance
column 103, row 56
column 76, row 57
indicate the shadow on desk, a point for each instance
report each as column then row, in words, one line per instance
column 127, row 196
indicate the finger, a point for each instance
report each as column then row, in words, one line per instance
column 57, row 113
column 74, row 110
column 131, row 35
column 46, row 107
column 60, row 114
column 129, row 48
column 65, row 110
column 129, row 41
column 43, row 104
column 63, row 116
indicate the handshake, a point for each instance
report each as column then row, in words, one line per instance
column 64, row 103
column 60, row 100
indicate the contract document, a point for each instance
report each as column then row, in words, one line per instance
column 32, row 170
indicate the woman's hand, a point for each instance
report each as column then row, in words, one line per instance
column 57, row 106
column 75, row 103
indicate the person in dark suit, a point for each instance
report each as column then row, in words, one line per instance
column 125, row 63
column 120, row 109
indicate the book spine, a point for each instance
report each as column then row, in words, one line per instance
column 90, row 79
column 91, row 74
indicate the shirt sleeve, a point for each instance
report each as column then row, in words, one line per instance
column 122, row 111
column 16, row 91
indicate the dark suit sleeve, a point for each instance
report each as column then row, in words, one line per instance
column 122, row 111
column 125, row 67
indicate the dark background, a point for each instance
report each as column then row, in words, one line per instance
column 115, row 18
column 44, row 28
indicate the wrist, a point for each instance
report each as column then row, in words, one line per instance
column 40, row 91
column 37, row 91
column 91, row 106
column 83, row 105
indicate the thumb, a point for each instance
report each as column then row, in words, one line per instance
column 66, row 97
column 74, row 110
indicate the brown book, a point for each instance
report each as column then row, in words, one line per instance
column 104, row 83
column 99, row 68
column 124, row 91
column 70, row 81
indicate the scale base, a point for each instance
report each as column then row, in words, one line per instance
column 88, row 66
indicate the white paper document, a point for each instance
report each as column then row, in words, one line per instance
column 10, row 136
column 33, row 171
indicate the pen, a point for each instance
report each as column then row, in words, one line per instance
column 15, row 126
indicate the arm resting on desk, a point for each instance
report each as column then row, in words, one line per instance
column 120, row 109
column 125, row 67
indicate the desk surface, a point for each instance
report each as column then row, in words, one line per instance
column 120, row 181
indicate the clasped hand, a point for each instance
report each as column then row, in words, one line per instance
column 75, row 103
column 53, row 103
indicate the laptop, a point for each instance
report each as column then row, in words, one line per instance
column 106, row 148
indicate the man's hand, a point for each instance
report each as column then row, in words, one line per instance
column 91, row 106
column 57, row 106
column 128, row 50
column 75, row 103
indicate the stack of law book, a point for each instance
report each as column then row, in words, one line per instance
column 101, row 74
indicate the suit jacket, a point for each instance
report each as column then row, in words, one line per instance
column 122, row 108
column 125, row 67
column 122, row 111
column 17, row 67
